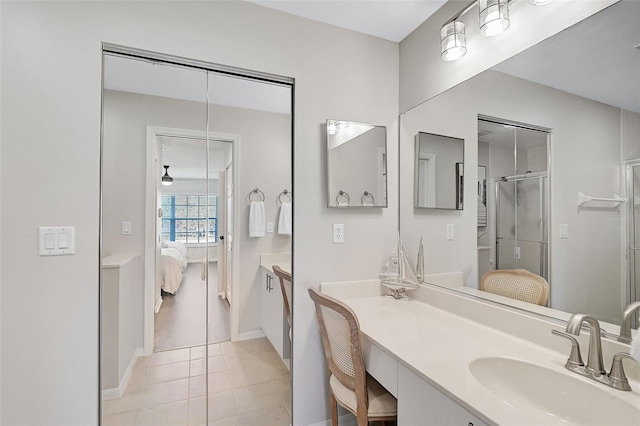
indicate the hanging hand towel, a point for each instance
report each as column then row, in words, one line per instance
column 256, row 219
column 284, row 222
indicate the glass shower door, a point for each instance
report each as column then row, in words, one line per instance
column 521, row 223
column 633, row 291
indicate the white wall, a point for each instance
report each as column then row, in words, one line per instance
column 585, row 275
column 423, row 74
column 51, row 74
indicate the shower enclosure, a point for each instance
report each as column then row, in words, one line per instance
column 516, row 160
column 521, row 223
column 633, row 225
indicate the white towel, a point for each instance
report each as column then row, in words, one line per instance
column 368, row 205
column 343, row 204
column 284, row 222
column 256, row 219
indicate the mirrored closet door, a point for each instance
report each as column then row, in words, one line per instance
column 181, row 279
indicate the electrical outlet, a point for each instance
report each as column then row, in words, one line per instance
column 450, row 231
column 338, row 233
column 269, row 227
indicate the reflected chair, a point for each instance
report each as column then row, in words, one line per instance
column 285, row 287
column 517, row 284
column 349, row 384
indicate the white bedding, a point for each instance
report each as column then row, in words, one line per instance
column 172, row 264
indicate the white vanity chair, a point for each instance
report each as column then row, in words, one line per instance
column 451, row 358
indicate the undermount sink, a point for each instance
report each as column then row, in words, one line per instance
column 572, row 400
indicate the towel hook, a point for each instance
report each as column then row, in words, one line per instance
column 367, row 194
column 286, row 193
column 344, row 195
column 257, row 192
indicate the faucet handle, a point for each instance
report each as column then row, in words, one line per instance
column 616, row 375
column 575, row 359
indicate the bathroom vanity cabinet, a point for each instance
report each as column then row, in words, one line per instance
column 421, row 403
column 272, row 314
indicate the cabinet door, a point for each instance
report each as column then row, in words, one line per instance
column 272, row 311
column 419, row 403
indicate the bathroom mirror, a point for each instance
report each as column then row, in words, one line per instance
column 356, row 164
column 438, row 171
column 593, row 116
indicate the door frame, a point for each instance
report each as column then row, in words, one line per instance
column 153, row 173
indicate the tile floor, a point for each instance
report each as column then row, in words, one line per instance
column 248, row 385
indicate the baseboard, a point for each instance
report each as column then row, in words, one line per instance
column 116, row 393
column 345, row 420
column 255, row 334
column 158, row 304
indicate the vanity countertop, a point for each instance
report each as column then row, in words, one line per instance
column 439, row 346
column 283, row 260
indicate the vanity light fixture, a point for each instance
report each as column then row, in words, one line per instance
column 453, row 41
column 166, row 179
column 494, row 17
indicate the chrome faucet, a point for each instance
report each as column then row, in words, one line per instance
column 625, row 326
column 594, row 369
column 594, row 359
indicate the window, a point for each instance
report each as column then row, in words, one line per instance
column 184, row 218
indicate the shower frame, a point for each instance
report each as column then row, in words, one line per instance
column 543, row 215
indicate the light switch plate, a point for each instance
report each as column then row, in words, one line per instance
column 450, row 231
column 564, row 231
column 56, row 240
column 126, row 228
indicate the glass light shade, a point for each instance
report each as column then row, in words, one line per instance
column 539, row 2
column 494, row 17
column 453, row 42
column 166, row 179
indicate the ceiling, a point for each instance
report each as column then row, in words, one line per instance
column 388, row 19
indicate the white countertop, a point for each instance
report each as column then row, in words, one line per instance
column 118, row 260
column 439, row 346
column 283, row 260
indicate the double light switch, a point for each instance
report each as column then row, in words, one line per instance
column 56, row 240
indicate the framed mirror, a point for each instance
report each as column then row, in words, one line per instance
column 438, row 172
column 356, row 164
column 582, row 132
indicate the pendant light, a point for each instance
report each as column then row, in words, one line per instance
column 166, row 179
column 494, row 17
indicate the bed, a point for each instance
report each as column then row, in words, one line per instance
column 173, row 260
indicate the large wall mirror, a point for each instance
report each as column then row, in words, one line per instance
column 182, row 278
column 439, row 172
column 356, row 164
column 556, row 120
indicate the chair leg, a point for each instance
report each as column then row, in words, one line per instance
column 334, row 409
